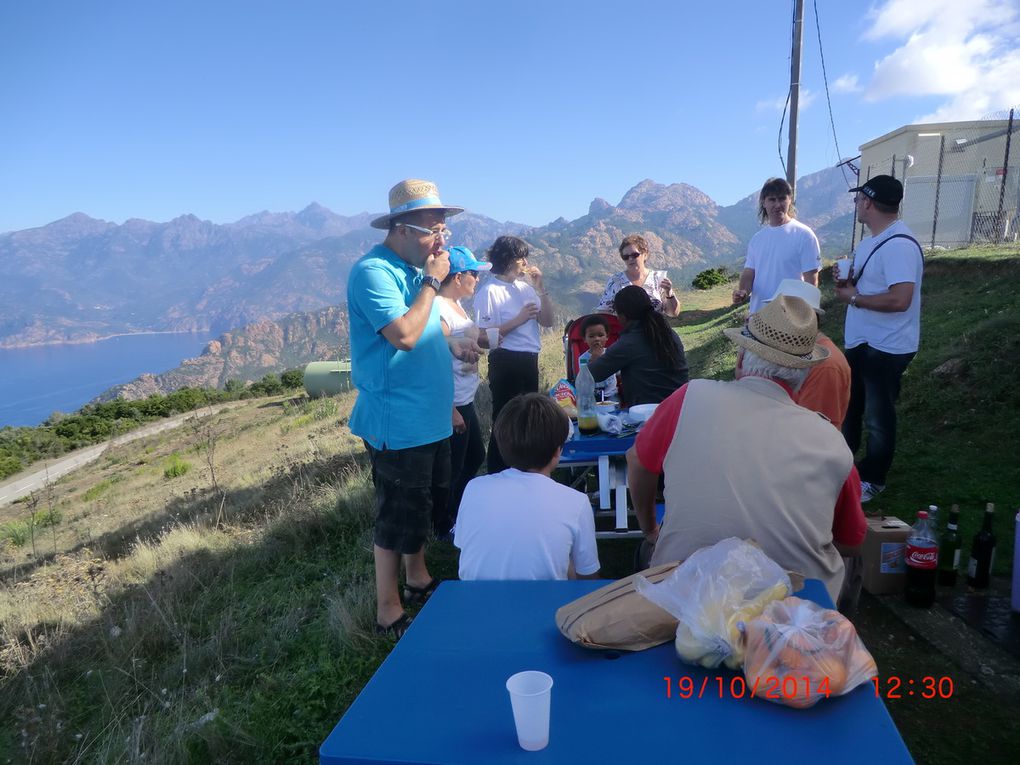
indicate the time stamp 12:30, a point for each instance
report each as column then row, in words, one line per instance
column 890, row 687
column 928, row 687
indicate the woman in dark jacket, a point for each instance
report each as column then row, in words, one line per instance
column 648, row 354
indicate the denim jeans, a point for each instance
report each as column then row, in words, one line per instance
column 874, row 387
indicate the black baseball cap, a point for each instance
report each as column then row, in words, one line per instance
column 882, row 188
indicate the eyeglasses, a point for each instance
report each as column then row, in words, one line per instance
column 470, row 273
column 440, row 233
column 630, row 256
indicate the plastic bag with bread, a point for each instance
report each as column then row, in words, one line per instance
column 711, row 593
column 796, row 653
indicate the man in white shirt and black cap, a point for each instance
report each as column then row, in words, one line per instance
column 883, row 325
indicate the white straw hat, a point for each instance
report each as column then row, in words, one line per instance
column 413, row 195
column 783, row 332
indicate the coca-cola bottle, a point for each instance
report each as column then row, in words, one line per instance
column 921, row 557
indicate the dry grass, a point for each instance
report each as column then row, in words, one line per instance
column 223, row 614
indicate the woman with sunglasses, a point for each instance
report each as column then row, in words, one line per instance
column 515, row 302
column 467, row 451
column 634, row 252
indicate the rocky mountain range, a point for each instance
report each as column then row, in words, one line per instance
column 249, row 353
column 80, row 279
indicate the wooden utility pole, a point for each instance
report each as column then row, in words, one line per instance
column 791, row 153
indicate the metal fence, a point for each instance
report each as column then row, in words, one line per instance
column 961, row 181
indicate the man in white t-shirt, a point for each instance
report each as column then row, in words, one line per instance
column 784, row 249
column 520, row 523
column 883, row 325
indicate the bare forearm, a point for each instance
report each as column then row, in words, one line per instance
column 642, row 483
column 671, row 306
column 746, row 280
column 811, row 277
column 404, row 333
column 545, row 312
column 895, row 300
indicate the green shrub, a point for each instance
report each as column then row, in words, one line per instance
column 50, row 517
column 269, row 385
column 16, row 531
column 96, row 491
column 9, row 465
column 176, row 467
column 711, row 277
column 293, row 378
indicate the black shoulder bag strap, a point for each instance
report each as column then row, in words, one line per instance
column 859, row 274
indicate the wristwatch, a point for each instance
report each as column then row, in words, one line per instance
column 853, row 300
column 431, row 281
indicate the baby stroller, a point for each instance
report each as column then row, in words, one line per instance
column 573, row 340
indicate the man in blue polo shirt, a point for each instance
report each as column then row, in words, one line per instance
column 401, row 367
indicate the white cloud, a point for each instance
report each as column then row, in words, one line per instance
column 848, row 83
column 807, row 97
column 967, row 52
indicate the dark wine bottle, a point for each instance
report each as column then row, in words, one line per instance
column 949, row 549
column 982, row 552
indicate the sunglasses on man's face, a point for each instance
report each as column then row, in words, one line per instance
column 630, row 256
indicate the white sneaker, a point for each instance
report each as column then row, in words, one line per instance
column 870, row 490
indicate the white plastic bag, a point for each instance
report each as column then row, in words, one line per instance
column 797, row 652
column 711, row 592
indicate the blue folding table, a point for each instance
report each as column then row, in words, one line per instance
column 440, row 697
column 606, row 453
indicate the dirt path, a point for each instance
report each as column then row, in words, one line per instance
column 37, row 477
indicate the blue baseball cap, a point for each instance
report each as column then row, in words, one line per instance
column 462, row 259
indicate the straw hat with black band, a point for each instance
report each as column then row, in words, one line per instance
column 413, row 195
column 783, row 332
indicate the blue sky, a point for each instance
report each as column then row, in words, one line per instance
column 522, row 111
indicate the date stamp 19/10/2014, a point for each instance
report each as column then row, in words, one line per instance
column 793, row 686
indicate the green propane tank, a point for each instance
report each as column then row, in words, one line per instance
column 327, row 378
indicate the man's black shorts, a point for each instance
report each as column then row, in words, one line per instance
column 408, row 482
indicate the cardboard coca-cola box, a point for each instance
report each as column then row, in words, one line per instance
column 884, row 570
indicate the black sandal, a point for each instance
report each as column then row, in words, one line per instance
column 418, row 595
column 395, row 630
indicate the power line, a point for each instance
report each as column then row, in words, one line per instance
column 779, row 138
column 825, row 79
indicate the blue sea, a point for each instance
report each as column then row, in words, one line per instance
column 35, row 382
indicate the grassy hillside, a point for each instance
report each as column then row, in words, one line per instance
column 223, row 611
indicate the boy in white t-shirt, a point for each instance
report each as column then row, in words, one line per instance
column 520, row 523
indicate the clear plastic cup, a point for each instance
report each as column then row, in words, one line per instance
column 492, row 333
column 530, row 697
column 842, row 269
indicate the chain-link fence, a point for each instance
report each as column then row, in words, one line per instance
column 961, row 180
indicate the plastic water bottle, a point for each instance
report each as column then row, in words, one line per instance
column 587, row 417
column 922, row 559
